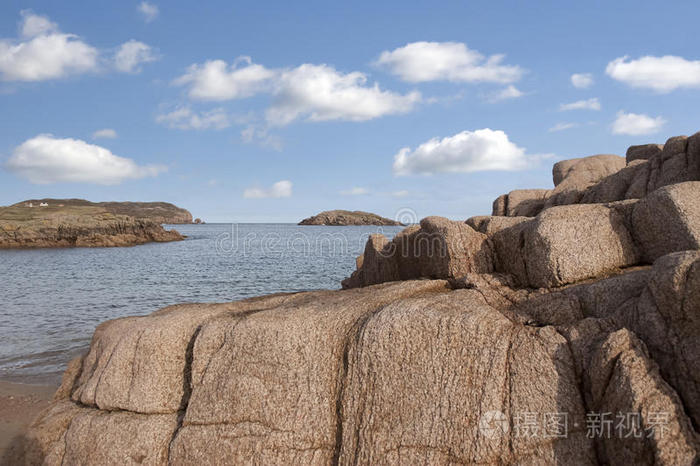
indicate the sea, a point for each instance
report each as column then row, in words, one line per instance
column 51, row 300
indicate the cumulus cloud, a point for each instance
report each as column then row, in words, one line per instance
column 588, row 104
column 106, row 133
column 660, row 74
column 446, row 61
column 216, row 80
column 148, row 11
column 131, row 54
column 186, row 118
column 562, row 127
column 44, row 52
column 510, row 92
column 636, row 124
column 356, row 191
column 320, row 93
column 311, row 92
column 45, row 159
column 465, row 152
column 280, row 189
column 582, row 80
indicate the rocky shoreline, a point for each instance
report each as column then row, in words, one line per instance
column 503, row 339
column 54, row 226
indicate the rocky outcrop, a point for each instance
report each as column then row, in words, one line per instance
column 438, row 248
column 521, row 202
column 346, row 217
column 566, row 338
column 158, row 212
column 608, row 178
column 88, row 230
column 643, row 152
column 573, row 177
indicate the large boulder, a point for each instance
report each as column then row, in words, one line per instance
column 676, row 162
column 521, row 202
column 667, row 318
column 565, row 244
column 643, row 152
column 668, row 220
column 572, row 177
column 438, row 248
column 639, row 418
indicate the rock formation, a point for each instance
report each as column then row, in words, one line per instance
column 158, row 212
column 346, row 217
column 75, row 226
column 569, row 337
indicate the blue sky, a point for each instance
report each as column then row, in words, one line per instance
column 330, row 98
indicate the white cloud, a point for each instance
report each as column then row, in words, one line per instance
column 311, row 92
column 280, row 189
column 320, row 93
column 148, row 11
column 446, row 61
column 582, row 80
column 589, row 104
column 510, row 92
column 636, row 124
column 465, row 152
column 35, row 25
column 185, row 118
column 400, row 194
column 215, row 80
column 356, row 191
column 45, row 159
column 131, row 54
column 106, row 133
column 45, row 53
column 661, row 74
column 562, row 127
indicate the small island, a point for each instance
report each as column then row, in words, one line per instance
column 58, row 223
column 347, row 217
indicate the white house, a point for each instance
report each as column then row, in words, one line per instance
column 44, row 204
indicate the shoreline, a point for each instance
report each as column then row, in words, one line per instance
column 20, row 404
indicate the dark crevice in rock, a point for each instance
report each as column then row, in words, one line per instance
column 585, row 393
column 186, row 386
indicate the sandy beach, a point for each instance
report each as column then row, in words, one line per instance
column 19, row 405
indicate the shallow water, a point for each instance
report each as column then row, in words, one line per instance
column 52, row 299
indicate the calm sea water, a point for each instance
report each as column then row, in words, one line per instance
column 52, row 299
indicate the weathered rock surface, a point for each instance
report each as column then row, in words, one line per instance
column 668, row 220
column 91, row 229
column 438, row 248
column 573, row 177
column 521, row 202
column 643, row 152
column 564, row 245
column 347, row 217
column 570, row 337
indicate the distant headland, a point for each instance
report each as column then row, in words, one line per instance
column 52, row 223
column 347, row 217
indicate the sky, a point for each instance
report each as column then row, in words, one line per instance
column 274, row 111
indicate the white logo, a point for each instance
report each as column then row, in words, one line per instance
column 493, row 423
